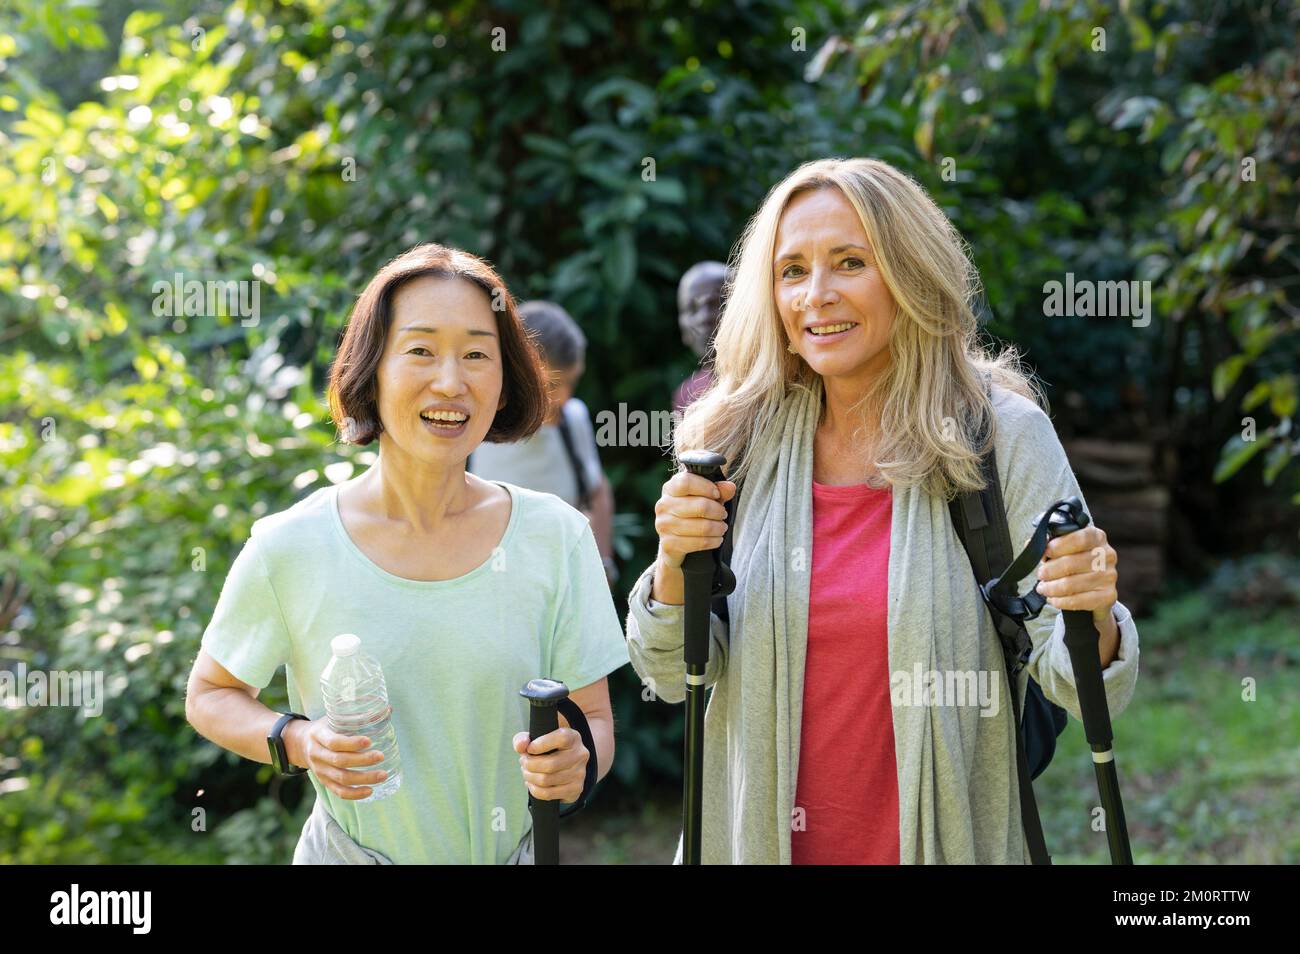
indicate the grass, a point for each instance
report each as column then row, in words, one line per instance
column 1208, row 776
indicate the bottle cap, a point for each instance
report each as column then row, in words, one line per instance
column 345, row 644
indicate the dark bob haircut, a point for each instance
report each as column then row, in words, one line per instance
column 354, row 383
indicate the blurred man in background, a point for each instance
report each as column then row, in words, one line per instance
column 699, row 305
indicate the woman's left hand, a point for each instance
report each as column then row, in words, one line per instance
column 1078, row 573
column 557, row 775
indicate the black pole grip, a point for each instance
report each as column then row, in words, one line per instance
column 699, row 572
column 1081, row 641
column 543, row 696
column 706, row 464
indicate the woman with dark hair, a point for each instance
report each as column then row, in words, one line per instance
column 417, row 557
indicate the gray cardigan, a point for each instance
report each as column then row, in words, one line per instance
column 957, row 783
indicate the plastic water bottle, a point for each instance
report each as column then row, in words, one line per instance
column 356, row 703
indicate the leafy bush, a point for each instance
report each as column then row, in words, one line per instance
column 597, row 155
column 123, row 510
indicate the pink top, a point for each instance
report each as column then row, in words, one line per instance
column 848, row 783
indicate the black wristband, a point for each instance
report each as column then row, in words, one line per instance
column 279, row 757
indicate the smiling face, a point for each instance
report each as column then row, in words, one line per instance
column 442, row 357
column 824, row 276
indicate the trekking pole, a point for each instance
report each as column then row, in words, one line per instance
column 542, row 696
column 1081, row 641
column 704, row 576
column 547, row 699
column 1067, row 516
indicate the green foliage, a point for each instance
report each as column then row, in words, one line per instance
column 592, row 159
column 1152, row 142
column 123, row 511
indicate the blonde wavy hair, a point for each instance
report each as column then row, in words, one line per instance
column 935, row 418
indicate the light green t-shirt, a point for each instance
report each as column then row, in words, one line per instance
column 455, row 654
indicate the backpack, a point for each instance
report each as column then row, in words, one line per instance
column 980, row 519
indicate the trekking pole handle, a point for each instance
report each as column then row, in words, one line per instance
column 1081, row 639
column 1067, row 516
column 705, row 464
column 704, row 574
column 543, row 696
column 708, row 465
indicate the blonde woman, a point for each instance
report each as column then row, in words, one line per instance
column 850, row 399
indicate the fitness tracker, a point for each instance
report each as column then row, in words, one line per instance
column 280, row 758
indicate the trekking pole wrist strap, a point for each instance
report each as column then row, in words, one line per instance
column 1000, row 592
column 577, row 720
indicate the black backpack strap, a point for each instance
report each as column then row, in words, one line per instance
column 579, row 472
column 980, row 519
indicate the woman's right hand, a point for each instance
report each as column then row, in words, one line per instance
column 690, row 516
column 333, row 757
